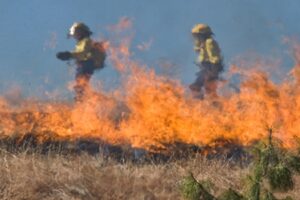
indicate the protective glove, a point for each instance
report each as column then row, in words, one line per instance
column 66, row 55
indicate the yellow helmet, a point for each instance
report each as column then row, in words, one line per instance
column 201, row 29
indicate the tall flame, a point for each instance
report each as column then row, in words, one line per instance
column 150, row 110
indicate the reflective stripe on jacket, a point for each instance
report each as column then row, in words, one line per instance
column 83, row 50
column 209, row 51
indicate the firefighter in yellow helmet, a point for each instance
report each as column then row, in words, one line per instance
column 209, row 60
column 88, row 55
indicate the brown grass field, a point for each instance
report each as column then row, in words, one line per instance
column 56, row 176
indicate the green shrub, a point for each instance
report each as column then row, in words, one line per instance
column 230, row 195
column 288, row 198
column 272, row 164
column 191, row 189
column 280, row 178
column 294, row 163
column 254, row 191
column 268, row 196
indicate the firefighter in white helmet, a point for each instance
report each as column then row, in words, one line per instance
column 209, row 60
column 88, row 55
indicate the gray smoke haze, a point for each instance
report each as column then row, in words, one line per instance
column 254, row 25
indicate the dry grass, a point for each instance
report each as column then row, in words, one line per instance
column 36, row 176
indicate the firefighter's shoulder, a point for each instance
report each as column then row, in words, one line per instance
column 210, row 42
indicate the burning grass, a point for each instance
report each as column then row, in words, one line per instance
column 152, row 112
column 43, row 143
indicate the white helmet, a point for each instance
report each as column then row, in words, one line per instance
column 81, row 27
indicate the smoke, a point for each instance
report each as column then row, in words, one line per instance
column 51, row 42
column 252, row 27
column 125, row 23
column 14, row 95
column 145, row 46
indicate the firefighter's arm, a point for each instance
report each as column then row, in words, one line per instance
column 82, row 51
column 65, row 55
column 213, row 51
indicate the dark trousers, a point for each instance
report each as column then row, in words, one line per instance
column 206, row 81
column 84, row 71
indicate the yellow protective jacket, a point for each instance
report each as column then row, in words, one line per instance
column 86, row 49
column 209, row 51
column 83, row 50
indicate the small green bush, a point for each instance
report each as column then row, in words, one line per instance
column 191, row 189
column 272, row 164
column 230, row 195
column 268, row 196
column 280, row 178
column 288, row 198
column 254, row 191
column 294, row 163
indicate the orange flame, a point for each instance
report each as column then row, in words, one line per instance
column 149, row 110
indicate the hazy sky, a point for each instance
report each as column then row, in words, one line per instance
column 32, row 31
